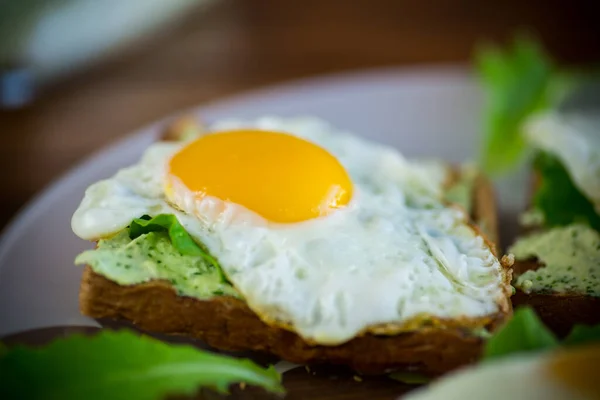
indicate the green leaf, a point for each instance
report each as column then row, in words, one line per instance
column 122, row 365
column 582, row 334
column 525, row 332
column 181, row 240
column 516, row 83
column 558, row 199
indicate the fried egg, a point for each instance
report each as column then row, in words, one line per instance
column 562, row 375
column 321, row 232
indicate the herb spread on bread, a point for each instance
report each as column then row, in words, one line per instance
column 571, row 260
column 153, row 256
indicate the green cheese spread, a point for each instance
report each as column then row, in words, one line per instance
column 152, row 257
column 571, row 259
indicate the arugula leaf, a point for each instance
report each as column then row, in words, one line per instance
column 558, row 199
column 122, row 365
column 181, row 240
column 525, row 332
column 581, row 334
column 516, row 82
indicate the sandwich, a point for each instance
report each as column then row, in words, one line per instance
column 557, row 268
column 538, row 110
column 290, row 237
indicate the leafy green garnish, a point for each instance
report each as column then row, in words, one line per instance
column 122, row 365
column 582, row 334
column 516, row 82
column 181, row 240
column 558, row 199
column 525, row 332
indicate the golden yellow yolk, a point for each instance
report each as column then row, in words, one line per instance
column 279, row 176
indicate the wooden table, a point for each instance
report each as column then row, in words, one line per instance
column 242, row 44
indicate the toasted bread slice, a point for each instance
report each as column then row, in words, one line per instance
column 229, row 324
column 559, row 311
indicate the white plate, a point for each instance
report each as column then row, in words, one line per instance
column 432, row 112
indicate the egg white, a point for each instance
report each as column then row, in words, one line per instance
column 332, row 277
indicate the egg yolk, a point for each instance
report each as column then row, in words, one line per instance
column 281, row 177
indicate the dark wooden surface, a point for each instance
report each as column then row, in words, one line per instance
column 242, row 44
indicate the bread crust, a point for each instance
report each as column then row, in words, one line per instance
column 227, row 323
column 560, row 312
column 485, row 209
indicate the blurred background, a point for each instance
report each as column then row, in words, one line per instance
column 77, row 74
